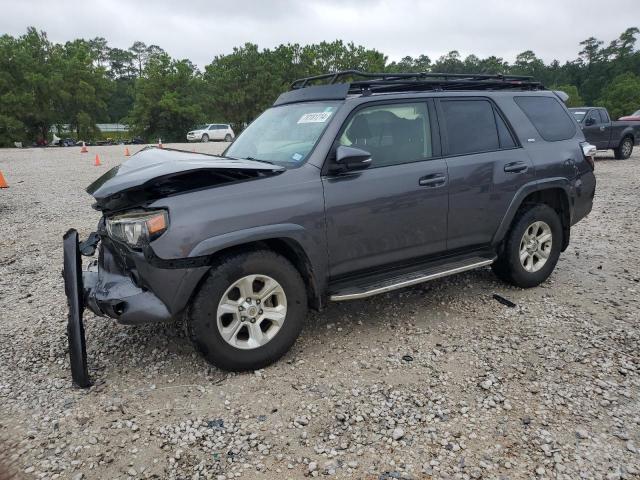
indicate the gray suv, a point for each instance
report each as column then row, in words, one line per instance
column 351, row 185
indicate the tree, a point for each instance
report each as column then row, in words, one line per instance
column 166, row 103
column 410, row 64
column 527, row 63
column 622, row 97
column 86, row 81
column 84, row 88
column 591, row 52
column 449, row 63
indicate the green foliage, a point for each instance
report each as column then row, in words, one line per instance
column 164, row 103
column 622, row 97
column 85, row 82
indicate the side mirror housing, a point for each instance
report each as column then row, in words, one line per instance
column 352, row 158
column 590, row 121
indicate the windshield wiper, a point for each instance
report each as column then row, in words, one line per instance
column 259, row 160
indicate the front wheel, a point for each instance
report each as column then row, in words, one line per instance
column 249, row 311
column 625, row 149
column 205, row 138
column 531, row 248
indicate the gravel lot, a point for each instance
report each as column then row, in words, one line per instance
column 437, row 381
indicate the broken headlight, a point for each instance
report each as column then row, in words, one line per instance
column 137, row 228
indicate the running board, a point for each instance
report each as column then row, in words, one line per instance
column 365, row 290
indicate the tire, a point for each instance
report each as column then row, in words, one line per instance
column 508, row 266
column 204, row 138
column 205, row 324
column 227, row 137
column 625, row 149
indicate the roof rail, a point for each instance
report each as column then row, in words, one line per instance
column 365, row 82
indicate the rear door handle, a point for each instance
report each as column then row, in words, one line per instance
column 515, row 167
column 434, row 180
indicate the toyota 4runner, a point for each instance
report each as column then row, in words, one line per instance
column 351, row 185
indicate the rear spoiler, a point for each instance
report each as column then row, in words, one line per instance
column 561, row 95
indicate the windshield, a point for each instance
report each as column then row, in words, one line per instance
column 284, row 135
column 201, row 127
column 579, row 114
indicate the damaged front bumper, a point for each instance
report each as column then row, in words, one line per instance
column 110, row 292
column 122, row 285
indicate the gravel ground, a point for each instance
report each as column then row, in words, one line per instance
column 437, row 381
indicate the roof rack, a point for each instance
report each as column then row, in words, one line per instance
column 365, row 82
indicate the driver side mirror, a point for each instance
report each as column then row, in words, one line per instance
column 590, row 121
column 352, row 158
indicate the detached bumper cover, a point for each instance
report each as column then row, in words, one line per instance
column 75, row 328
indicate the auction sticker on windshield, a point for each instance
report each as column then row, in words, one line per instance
column 318, row 117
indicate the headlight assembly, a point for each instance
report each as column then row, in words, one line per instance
column 137, row 228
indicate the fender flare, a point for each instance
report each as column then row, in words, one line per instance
column 628, row 132
column 214, row 244
column 523, row 192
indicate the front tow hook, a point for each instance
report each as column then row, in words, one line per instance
column 73, row 288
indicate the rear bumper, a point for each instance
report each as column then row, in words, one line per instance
column 585, row 191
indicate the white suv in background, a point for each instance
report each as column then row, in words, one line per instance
column 211, row 131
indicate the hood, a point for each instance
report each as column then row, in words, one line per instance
column 154, row 173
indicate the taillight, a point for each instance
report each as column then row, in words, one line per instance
column 589, row 152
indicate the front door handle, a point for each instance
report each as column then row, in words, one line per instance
column 515, row 167
column 434, row 180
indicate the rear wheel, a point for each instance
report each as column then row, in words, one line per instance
column 625, row 149
column 227, row 137
column 249, row 311
column 532, row 247
column 205, row 138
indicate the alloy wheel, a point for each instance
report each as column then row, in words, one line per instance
column 251, row 312
column 535, row 246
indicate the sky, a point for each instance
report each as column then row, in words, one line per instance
column 200, row 29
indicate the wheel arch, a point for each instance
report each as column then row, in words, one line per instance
column 554, row 194
column 291, row 249
column 628, row 133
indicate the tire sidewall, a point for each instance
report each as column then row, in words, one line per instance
column 520, row 276
column 204, row 138
column 622, row 154
column 202, row 318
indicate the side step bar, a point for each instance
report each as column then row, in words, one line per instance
column 413, row 278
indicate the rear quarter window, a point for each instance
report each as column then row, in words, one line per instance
column 548, row 117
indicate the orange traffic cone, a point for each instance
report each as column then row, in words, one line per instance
column 126, row 152
column 160, row 143
column 3, row 182
column 97, row 162
column 84, row 148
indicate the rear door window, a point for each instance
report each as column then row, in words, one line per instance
column 548, row 117
column 470, row 126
